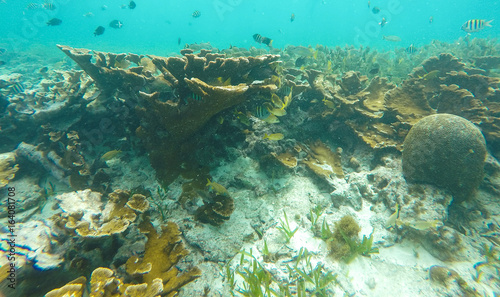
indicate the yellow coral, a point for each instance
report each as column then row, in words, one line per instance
column 74, row 288
column 323, row 161
column 161, row 254
column 7, row 169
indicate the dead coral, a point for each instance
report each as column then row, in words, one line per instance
column 287, row 159
column 162, row 254
column 8, row 168
column 322, row 161
column 85, row 213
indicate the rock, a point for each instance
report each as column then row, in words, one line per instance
column 445, row 150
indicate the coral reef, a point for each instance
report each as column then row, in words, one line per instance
column 84, row 212
column 445, row 150
column 8, row 168
column 162, row 254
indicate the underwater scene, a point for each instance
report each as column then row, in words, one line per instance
column 249, row 148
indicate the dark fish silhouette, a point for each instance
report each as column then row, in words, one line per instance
column 99, row 30
column 178, row 41
column 54, row 22
column 196, row 14
column 116, row 24
column 376, row 10
column 131, row 5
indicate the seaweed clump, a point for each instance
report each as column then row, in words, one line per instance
column 344, row 243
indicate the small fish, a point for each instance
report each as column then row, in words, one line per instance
column 392, row 38
column 375, row 69
column 271, row 119
column 279, row 112
column 274, row 136
column 2, row 63
column 99, row 31
column 411, row 49
column 431, row 75
column 88, row 14
column 475, row 25
column 32, row 6
column 431, row 19
column 2, row 51
column 329, row 104
column 292, row 17
column 123, row 6
column 131, row 5
column 261, row 112
column 17, row 88
column 196, row 14
column 220, row 120
column 391, row 222
column 369, row 3
column 116, row 24
column 49, row 6
column 376, row 10
column 217, row 188
column 104, row 7
column 44, row 70
column 422, row 225
column 242, row 118
column 196, row 97
column 382, row 22
column 222, row 82
column 261, row 39
column 179, row 41
column 110, row 155
column 54, row 22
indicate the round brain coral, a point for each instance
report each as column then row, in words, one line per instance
column 445, row 150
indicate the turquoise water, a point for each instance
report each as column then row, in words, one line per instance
column 155, row 26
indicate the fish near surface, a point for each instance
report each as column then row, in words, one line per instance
column 54, row 22
column 392, row 38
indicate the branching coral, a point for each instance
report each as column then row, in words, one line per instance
column 162, row 253
column 85, row 213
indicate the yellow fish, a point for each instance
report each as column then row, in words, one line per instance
column 223, row 82
column 422, row 225
column 275, row 99
column 275, row 136
column 271, row 119
column 329, row 103
column 110, row 155
column 217, row 188
column 431, row 75
column 276, row 111
column 391, row 222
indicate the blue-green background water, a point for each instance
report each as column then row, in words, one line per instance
column 155, row 26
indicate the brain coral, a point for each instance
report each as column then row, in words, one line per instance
column 445, row 150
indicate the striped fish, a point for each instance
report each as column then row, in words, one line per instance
column 196, row 14
column 261, row 112
column 17, row 88
column 284, row 91
column 32, row 6
column 196, row 97
column 411, row 49
column 49, row 6
column 475, row 25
